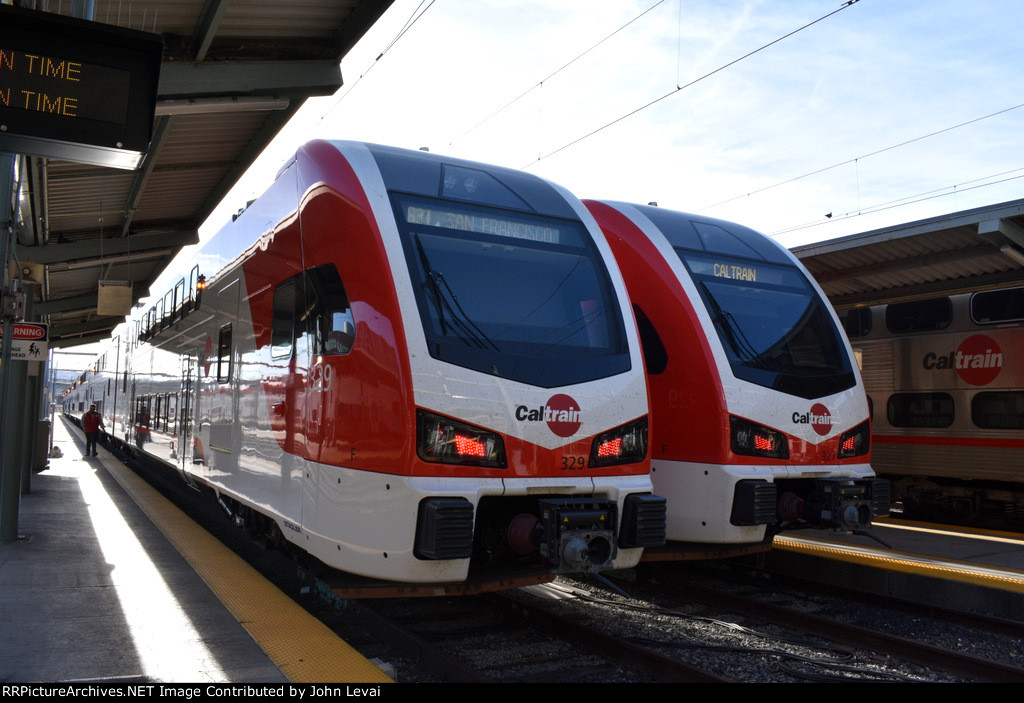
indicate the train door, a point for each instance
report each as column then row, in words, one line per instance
column 222, row 398
column 184, row 444
column 330, row 332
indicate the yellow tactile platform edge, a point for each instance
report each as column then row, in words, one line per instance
column 301, row 646
column 907, row 563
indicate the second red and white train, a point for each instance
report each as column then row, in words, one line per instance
column 759, row 420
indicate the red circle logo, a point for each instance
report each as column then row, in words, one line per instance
column 821, row 419
column 562, row 414
column 979, row 360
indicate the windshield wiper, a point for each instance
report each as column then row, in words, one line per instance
column 727, row 323
column 461, row 325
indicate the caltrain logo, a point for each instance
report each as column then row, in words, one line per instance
column 978, row 360
column 561, row 413
column 819, row 418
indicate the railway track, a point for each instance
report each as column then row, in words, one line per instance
column 509, row 637
column 925, row 642
column 573, row 632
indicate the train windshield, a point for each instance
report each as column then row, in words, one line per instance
column 776, row 330
column 515, row 295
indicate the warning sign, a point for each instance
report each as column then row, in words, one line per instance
column 29, row 343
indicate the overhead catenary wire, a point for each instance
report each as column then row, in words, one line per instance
column 415, row 17
column 858, row 159
column 910, row 200
column 551, row 75
column 680, row 88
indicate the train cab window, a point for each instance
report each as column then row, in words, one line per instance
column 1003, row 410
column 224, row 354
column 991, row 307
column 775, row 328
column 920, row 410
column 513, row 294
column 856, row 321
column 327, row 313
column 919, row 315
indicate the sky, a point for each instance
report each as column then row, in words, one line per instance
column 771, row 114
column 767, row 113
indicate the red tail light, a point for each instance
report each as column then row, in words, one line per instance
column 447, row 441
column 467, row 446
column 856, row 442
column 610, row 448
column 623, row 445
column 751, row 439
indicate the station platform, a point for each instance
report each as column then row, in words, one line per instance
column 940, row 565
column 109, row 582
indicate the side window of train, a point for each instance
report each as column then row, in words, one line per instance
column 655, row 354
column 998, row 410
column 994, row 306
column 920, row 410
column 856, row 321
column 328, row 316
column 224, row 354
column 919, row 315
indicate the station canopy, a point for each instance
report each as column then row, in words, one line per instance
column 971, row 250
column 231, row 76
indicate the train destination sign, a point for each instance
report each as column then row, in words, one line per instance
column 76, row 90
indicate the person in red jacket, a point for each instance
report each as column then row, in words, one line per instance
column 92, row 421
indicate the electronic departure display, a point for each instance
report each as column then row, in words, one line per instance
column 468, row 221
column 76, row 90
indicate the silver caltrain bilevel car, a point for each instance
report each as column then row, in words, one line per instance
column 945, row 380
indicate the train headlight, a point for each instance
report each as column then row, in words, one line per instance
column 443, row 440
column 751, row 439
column 856, row 442
column 623, row 445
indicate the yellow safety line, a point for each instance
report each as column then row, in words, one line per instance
column 962, row 572
column 303, row 648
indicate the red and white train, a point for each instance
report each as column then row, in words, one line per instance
column 759, row 420
column 413, row 368
column 945, row 377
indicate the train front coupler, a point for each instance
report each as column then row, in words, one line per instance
column 583, row 535
column 837, row 504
